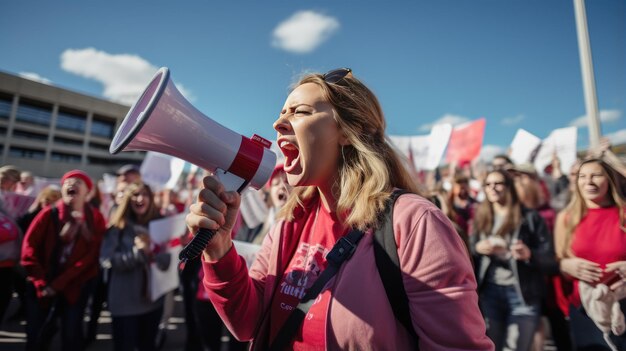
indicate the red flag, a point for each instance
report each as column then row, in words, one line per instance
column 466, row 142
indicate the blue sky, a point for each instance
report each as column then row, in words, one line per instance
column 513, row 62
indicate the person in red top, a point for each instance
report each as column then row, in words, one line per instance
column 590, row 239
column 343, row 168
column 60, row 255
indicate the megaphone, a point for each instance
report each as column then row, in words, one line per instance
column 162, row 120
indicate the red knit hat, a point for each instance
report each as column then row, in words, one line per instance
column 76, row 173
column 278, row 170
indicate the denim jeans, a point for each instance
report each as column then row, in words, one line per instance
column 510, row 322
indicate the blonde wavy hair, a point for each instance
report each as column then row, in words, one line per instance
column 576, row 210
column 369, row 169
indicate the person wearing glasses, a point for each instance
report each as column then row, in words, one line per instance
column 331, row 131
column 590, row 238
column 512, row 250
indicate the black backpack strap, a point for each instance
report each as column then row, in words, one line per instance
column 388, row 264
column 341, row 252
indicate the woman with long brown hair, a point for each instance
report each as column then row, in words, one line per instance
column 512, row 248
column 127, row 253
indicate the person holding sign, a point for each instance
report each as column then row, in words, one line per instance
column 590, row 238
column 331, row 131
column 127, row 252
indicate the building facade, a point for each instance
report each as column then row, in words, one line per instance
column 49, row 130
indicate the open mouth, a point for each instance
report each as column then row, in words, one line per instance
column 292, row 155
column 71, row 191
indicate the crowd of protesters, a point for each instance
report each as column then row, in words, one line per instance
column 348, row 247
column 540, row 244
column 75, row 251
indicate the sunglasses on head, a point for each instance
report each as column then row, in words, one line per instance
column 335, row 75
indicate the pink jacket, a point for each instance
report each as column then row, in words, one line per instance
column 439, row 281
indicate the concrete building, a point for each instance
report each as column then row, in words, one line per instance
column 49, row 130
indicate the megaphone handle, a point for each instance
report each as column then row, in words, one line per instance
column 204, row 235
column 197, row 245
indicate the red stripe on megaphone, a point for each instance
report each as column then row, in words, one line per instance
column 248, row 159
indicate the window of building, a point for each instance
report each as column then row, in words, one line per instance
column 21, row 152
column 5, row 106
column 64, row 157
column 102, row 127
column 99, row 146
column 67, row 141
column 22, row 134
column 31, row 112
column 70, row 120
column 102, row 161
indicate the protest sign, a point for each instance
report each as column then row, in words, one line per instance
column 165, row 236
column 14, row 204
column 562, row 143
column 424, row 151
column 161, row 171
column 466, row 141
column 437, row 142
column 247, row 250
column 523, row 146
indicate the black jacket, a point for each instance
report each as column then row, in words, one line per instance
column 529, row 275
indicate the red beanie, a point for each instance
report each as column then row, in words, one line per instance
column 76, row 173
column 278, row 170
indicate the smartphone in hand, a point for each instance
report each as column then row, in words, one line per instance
column 609, row 278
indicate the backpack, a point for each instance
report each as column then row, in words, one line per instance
column 388, row 264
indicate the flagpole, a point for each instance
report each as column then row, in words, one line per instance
column 586, row 65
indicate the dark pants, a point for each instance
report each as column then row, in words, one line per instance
column 587, row 336
column 41, row 321
column 511, row 323
column 98, row 298
column 6, row 289
column 189, row 288
column 212, row 329
column 136, row 332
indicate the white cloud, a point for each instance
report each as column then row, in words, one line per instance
column 488, row 152
column 510, row 121
column 618, row 137
column 304, row 31
column 606, row 116
column 124, row 76
column 36, row 77
column 448, row 118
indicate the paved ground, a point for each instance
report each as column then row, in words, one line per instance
column 13, row 336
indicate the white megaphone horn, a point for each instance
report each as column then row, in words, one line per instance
column 162, row 120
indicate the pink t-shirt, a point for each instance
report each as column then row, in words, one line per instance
column 320, row 233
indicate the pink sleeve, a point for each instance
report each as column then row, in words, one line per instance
column 236, row 293
column 439, row 279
